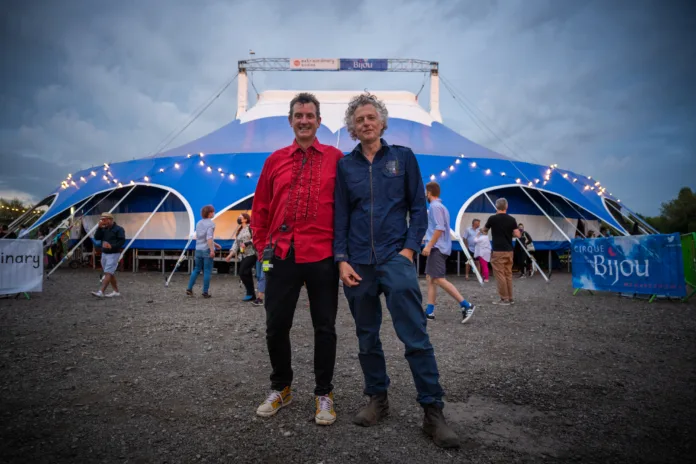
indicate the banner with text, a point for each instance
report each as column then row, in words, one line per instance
column 316, row 64
column 361, row 64
column 21, row 266
column 650, row 264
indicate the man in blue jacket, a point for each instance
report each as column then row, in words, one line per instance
column 380, row 221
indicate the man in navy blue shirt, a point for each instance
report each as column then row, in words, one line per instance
column 377, row 187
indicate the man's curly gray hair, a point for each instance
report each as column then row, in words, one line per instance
column 362, row 100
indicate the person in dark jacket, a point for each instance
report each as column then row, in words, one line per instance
column 523, row 260
column 377, row 187
column 113, row 238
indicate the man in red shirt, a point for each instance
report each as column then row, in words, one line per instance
column 293, row 223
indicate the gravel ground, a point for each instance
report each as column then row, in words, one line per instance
column 155, row 376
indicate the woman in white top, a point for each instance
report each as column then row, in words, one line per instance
column 482, row 251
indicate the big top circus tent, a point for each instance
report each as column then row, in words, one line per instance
column 157, row 199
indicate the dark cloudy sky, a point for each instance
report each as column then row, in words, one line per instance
column 603, row 87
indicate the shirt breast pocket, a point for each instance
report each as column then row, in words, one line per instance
column 394, row 178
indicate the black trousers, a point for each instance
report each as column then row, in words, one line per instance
column 245, row 267
column 283, row 284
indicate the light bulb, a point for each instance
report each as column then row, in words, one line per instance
column 457, row 161
column 209, row 169
column 161, row 169
column 443, row 173
column 518, row 180
column 502, row 174
column 231, row 176
column 202, row 163
column 176, row 165
column 451, row 168
column 488, row 171
column 201, row 155
column 473, row 164
column 147, row 179
column 219, row 169
column 93, row 173
column 432, row 177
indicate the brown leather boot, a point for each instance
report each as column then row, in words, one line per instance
column 435, row 426
column 376, row 409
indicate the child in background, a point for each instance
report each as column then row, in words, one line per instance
column 482, row 251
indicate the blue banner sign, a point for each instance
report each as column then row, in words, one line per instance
column 649, row 264
column 361, row 64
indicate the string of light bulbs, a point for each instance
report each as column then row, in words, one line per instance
column 110, row 178
column 595, row 187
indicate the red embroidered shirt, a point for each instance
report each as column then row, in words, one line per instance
column 296, row 190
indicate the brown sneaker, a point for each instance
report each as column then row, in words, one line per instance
column 435, row 426
column 376, row 409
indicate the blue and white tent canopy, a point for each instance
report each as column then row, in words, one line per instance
column 222, row 169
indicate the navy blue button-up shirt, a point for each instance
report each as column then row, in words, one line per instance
column 380, row 206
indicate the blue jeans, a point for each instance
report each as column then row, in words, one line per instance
column 260, row 277
column 203, row 262
column 398, row 280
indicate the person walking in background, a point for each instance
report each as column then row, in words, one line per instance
column 244, row 247
column 503, row 228
column 377, row 186
column 524, row 242
column 112, row 237
column 469, row 238
column 437, row 249
column 205, row 251
column 482, row 252
column 293, row 221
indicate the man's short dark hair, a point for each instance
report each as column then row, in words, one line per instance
column 433, row 188
column 304, row 98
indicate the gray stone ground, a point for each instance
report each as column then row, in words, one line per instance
column 158, row 377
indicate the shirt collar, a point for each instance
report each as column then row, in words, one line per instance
column 316, row 145
column 358, row 147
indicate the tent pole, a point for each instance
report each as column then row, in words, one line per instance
column 547, row 216
column 558, row 210
column 11, row 228
column 91, row 231
column 586, row 220
column 179, row 261
column 82, row 206
column 66, row 220
column 147, row 221
column 470, row 259
column 650, row 228
column 623, row 214
column 534, row 263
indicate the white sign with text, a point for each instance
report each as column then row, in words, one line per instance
column 21, row 266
